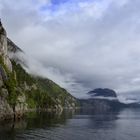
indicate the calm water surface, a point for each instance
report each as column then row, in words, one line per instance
column 80, row 125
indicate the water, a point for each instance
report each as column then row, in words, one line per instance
column 79, row 125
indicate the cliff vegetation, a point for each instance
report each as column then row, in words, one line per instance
column 20, row 91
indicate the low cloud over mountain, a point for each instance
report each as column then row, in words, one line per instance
column 80, row 44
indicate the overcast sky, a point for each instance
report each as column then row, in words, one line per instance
column 79, row 44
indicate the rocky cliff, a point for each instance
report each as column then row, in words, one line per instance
column 20, row 91
column 4, row 48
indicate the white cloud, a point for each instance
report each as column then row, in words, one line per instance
column 81, row 45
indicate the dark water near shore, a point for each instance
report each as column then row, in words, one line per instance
column 70, row 125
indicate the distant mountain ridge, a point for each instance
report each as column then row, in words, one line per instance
column 104, row 99
column 99, row 92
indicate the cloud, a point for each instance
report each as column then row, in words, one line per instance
column 105, row 98
column 79, row 44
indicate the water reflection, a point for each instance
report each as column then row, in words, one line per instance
column 96, row 120
column 73, row 125
column 33, row 120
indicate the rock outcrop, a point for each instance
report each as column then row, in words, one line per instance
column 4, row 48
column 20, row 91
column 6, row 109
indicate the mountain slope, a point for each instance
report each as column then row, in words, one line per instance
column 102, row 100
column 20, row 91
column 42, row 92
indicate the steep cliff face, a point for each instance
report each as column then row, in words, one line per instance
column 20, row 91
column 4, row 48
column 8, row 108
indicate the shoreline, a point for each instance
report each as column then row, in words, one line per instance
column 21, row 114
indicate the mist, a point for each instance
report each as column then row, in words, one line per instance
column 80, row 45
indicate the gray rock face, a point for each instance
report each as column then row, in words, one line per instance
column 3, row 73
column 13, row 102
column 4, row 93
column 6, row 111
column 1, row 81
column 4, row 48
column 21, row 106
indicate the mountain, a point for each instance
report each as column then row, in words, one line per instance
column 102, row 100
column 99, row 92
column 101, row 104
column 21, row 91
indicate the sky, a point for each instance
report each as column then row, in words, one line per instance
column 79, row 44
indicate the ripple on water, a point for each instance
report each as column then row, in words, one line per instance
column 121, row 125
